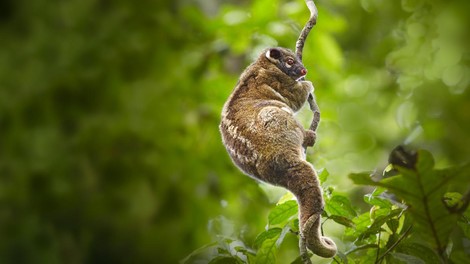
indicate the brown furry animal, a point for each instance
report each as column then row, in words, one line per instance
column 266, row 142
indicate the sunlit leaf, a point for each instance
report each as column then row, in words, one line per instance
column 342, row 220
column 283, row 234
column 377, row 200
column 272, row 233
column 283, row 212
column 362, row 178
column 378, row 222
column 286, row 197
column 323, row 175
column 361, row 223
column 267, row 252
column 340, row 205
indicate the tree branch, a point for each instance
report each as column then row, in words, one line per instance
column 299, row 46
column 379, row 260
column 305, row 232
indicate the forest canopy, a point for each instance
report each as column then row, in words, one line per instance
column 109, row 141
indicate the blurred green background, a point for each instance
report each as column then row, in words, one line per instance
column 109, row 145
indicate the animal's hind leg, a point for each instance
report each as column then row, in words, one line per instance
column 290, row 171
column 302, row 181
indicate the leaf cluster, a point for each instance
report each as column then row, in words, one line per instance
column 416, row 215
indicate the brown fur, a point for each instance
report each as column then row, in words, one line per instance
column 262, row 136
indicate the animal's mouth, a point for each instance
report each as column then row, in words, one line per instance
column 303, row 72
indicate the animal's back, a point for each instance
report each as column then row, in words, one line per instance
column 255, row 132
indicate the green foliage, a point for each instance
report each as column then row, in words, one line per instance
column 414, row 226
column 109, row 148
column 281, row 214
column 424, row 191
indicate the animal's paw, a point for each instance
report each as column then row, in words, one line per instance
column 308, row 84
column 309, row 138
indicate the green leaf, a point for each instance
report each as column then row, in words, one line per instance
column 323, row 175
column 423, row 190
column 361, row 223
column 294, row 225
column 267, row 252
column 459, row 256
column 379, row 212
column 282, row 213
column 408, row 259
column 244, row 250
column 298, row 260
column 378, row 222
column 199, row 251
column 464, row 224
column 341, row 206
column 369, row 256
column 359, row 248
column 272, row 233
column 223, row 260
column 283, row 234
column 223, row 251
column 288, row 196
column 343, row 257
column 393, row 225
column 342, row 220
column 453, row 202
column 424, row 253
column 268, row 242
column 374, row 198
column 362, row 179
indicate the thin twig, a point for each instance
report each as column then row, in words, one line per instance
column 378, row 248
column 299, row 46
column 316, row 112
column 395, row 244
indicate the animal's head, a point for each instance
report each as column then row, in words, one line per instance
column 287, row 62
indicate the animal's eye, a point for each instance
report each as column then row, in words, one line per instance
column 290, row 61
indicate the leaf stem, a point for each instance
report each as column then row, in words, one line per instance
column 395, row 244
column 378, row 248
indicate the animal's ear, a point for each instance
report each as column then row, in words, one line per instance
column 273, row 54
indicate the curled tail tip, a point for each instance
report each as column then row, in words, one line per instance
column 320, row 245
column 324, row 247
column 327, row 249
